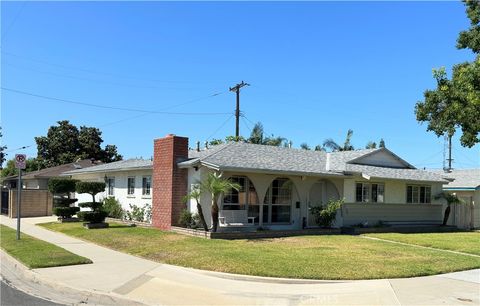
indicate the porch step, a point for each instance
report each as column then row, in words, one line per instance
column 415, row 223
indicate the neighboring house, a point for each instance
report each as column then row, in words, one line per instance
column 466, row 186
column 36, row 199
column 129, row 181
column 278, row 185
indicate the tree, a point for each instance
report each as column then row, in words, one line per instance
column 257, row 137
column 371, row 145
column 61, row 189
column 96, row 214
column 347, row 146
column 319, row 148
column 2, row 150
column 65, row 143
column 455, row 103
column 381, row 144
column 32, row 164
column 305, row 146
column 215, row 185
column 215, row 142
column 195, row 194
column 451, row 199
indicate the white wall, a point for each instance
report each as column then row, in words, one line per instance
column 120, row 190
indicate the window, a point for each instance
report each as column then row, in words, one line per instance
column 370, row 192
column 236, row 199
column 146, row 185
column 278, row 202
column 110, row 186
column 131, row 185
column 419, row 194
column 244, row 198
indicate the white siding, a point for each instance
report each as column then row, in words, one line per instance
column 120, row 190
column 381, row 158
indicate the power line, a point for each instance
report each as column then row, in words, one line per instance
column 220, row 127
column 109, row 107
column 13, row 21
column 98, row 72
column 18, row 149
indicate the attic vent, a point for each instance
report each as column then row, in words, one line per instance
column 77, row 166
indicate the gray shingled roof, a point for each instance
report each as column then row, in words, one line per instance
column 395, row 173
column 464, row 178
column 259, row 158
column 129, row 164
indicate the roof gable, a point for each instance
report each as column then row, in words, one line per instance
column 381, row 158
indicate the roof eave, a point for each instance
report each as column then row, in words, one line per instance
column 69, row 173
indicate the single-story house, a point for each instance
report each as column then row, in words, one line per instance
column 36, row 199
column 278, row 185
column 129, row 181
column 466, row 186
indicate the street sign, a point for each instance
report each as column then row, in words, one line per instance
column 20, row 161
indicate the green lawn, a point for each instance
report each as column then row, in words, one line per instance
column 467, row 242
column 315, row 257
column 35, row 253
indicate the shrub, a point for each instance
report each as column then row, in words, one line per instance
column 97, row 213
column 113, row 208
column 186, row 219
column 91, row 188
column 136, row 213
column 325, row 216
column 61, row 185
column 61, row 189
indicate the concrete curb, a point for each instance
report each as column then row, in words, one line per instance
column 15, row 273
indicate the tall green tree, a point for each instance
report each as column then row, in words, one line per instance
column 32, row 164
column 257, row 137
column 455, row 103
column 2, row 150
column 334, row 146
column 65, row 143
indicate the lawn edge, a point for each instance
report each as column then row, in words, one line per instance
column 260, row 278
column 87, row 260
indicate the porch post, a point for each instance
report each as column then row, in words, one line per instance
column 260, row 216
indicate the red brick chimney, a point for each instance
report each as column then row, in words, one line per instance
column 169, row 182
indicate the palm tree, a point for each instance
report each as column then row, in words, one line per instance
column 195, row 195
column 451, row 199
column 257, row 137
column 371, row 145
column 216, row 186
column 305, row 146
column 347, row 146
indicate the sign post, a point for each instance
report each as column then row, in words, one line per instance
column 20, row 164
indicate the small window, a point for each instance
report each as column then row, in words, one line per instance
column 146, row 185
column 110, row 186
column 419, row 194
column 370, row 192
column 131, row 185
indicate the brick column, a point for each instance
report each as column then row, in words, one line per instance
column 169, row 183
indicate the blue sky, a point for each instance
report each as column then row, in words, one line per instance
column 316, row 69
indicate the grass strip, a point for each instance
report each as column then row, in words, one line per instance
column 36, row 253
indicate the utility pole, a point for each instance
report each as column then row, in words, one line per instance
column 236, row 89
column 449, row 153
column 447, row 147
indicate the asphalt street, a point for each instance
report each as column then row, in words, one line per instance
column 10, row 296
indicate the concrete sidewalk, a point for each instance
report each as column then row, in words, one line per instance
column 153, row 283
